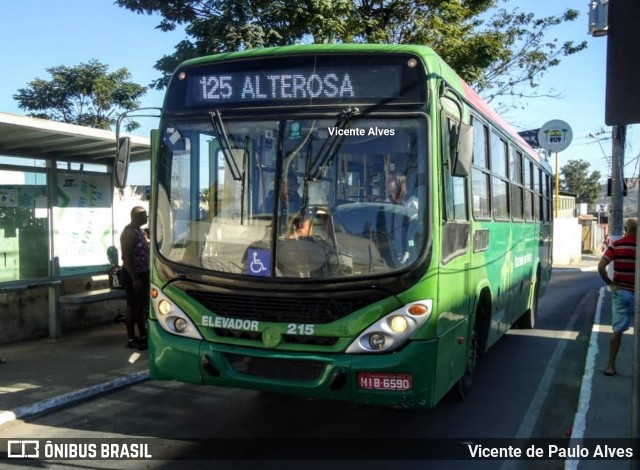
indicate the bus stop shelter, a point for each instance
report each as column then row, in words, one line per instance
column 56, row 213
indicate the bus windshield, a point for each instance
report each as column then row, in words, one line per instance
column 321, row 198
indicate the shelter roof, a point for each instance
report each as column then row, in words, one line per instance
column 23, row 136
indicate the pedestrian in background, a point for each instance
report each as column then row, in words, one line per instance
column 135, row 260
column 622, row 253
column 605, row 242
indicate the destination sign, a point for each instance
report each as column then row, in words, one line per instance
column 310, row 85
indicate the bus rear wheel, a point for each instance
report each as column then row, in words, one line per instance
column 528, row 320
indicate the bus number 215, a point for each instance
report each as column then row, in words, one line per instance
column 299, row 329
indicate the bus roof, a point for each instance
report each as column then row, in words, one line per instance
column 313, row 49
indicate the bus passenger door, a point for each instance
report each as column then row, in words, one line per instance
column 454, row 296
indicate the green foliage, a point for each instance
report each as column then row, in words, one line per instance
column 524, row 54
column 85, row 94
column 496, row 51
column 575, row 178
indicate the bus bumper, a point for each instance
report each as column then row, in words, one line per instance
column 331, row 376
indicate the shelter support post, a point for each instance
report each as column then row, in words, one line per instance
column 55, row 315
column 55, row 320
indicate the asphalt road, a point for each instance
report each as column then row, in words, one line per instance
column 526, row 387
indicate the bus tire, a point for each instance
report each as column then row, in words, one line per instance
column 462, row 388
column 528, row 320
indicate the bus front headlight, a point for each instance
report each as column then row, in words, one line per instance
column 393, row 330
column 398, row 324
column 164, row 307
column 377, row 341
column 171, row 317
column 180, row 325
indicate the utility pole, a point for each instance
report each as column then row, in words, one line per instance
column 618, row 137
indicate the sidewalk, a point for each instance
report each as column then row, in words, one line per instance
column 604, row 410
column 40, row 375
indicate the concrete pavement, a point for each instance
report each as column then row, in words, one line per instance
column 604, row 409
column 39, row 375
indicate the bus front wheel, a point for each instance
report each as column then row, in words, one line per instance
column 462, row 389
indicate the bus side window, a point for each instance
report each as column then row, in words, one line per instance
column 480, row 177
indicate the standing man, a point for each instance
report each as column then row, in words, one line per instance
column 623, row 254
column 135, row 260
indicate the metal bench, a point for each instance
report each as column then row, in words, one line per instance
column 97, row 295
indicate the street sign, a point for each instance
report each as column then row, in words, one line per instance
column 602, row 207
column 555, row 135
column 531, row 137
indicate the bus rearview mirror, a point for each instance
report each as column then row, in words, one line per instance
column 121, row 166
column 464, row 151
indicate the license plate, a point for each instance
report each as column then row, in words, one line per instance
column 383, row 381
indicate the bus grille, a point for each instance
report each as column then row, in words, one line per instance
column 283, row 309
column 284, row 369
column 291, row 339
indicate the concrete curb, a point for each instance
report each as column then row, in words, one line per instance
column 67, row 398
column 584, row 400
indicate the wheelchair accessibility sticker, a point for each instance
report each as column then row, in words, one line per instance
column 259, row 262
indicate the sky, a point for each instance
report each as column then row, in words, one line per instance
column 40, row 34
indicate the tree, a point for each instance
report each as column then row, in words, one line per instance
column 496, row 51
column 577, row 180
column 85, row 94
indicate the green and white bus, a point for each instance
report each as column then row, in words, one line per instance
column 345, row 221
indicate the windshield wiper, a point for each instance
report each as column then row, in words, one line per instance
column 307, row 172
column 245, row 161
column 327, row 151
column 225, row 146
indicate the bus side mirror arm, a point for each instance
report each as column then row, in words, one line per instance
column 123, row 150
column 463, row 155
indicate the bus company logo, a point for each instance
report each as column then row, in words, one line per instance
column 23, row 449
column 523, row 260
